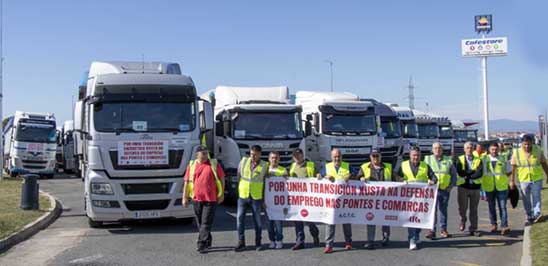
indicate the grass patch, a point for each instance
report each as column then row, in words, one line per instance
column 12, row 218
column 539, row 235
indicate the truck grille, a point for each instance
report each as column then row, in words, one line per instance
column 286, row 157
column 390, row 154
column 356, row 160
column 28, row 166
column 149, row 188
column 175, row 158
column 34, row 161
column 145, row 205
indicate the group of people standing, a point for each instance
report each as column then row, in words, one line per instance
column 494, row 173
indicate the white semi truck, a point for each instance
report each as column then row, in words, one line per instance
column 69, row 160
column 409, row 128
column 339, row 120
column 247, row 116
column 429, row 131
column 461, row 135
column 446, row 134
column 139, row 126
column 30, row 144
column 393, row 146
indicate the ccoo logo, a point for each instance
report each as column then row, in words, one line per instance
column 369, row 216
column 304, row 213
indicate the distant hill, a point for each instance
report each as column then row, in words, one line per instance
column 508, row 125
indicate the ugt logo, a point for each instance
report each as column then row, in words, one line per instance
column 369, row 216
column 415, row 219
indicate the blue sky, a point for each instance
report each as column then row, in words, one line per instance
column 375, row 47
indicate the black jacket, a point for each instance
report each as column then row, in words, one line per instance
column 469, row 174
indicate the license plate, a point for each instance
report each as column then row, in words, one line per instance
column 146, row 214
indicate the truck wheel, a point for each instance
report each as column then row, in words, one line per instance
column 94, row 224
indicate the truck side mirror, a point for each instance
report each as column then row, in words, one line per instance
column 78, row 113
column 307, row 128
column 206, row 116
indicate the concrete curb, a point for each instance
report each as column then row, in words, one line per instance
column 526, row 259
column 34, row 227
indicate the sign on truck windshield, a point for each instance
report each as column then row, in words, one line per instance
column 267, row 126
column 349, row 124
column 144, row 116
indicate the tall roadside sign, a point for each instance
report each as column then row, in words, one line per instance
column 484, row 47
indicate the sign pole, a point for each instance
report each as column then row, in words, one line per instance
column 485, row 95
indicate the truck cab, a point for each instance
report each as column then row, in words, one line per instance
column 139, row 124
column 409, row 128
column 461, row 135
column 339, row 120
column 429, row 131
column 248, row 116
column 391, row 133
column 446, row 135
column 30, row 144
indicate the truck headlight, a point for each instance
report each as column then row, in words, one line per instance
column 101, row 189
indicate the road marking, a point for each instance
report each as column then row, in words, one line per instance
column 86, row 260
column 467, row 245
column 495, row 244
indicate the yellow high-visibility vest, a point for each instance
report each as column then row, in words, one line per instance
column 192, row 168
column 529, row 168
column 344, row 170
column 309, row 169
column 252, row 182
column 443, row 173
column 475, row 164
column 494, row 177
column 422, row 173
column 367, row 171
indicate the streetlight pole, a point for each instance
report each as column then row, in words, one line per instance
column 331, row 70
column 485, row 95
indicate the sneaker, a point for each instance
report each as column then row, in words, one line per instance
column 202, row 250
column 328, row 250
column 279, row 245
column 431, row 234
column 272, row 245
column 240, row 246
column 316, row 241
column 413, row 245
column 445, row 234
column 527, row 223
column 369, row 246
column 297, row 246
column 385, row 241
column 493, row 228
column 461, row 227
column 504, row 230
column 348, row 246
column 539, row 219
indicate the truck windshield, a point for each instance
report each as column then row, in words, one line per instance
column 267, row 125
column 144, row 116
column 36, row 133
column 349, row 124
column 391, row 128
column 428, row 131
column 465, row 135
column 446, row 132
column 410, row 129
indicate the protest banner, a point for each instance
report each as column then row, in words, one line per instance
column 354, row 202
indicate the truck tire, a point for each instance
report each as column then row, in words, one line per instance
column 94, row 224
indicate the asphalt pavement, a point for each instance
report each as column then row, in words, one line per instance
column 69, row 241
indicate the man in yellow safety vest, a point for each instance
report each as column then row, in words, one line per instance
column 447, row 179
column 275, row 228
column 337, row 170
column 414, row 170
column 204, row 184
column 376, row 170
column 495, row 185
column 529, row 165
column 252, row 172
column 301, row 168
column 470, row 171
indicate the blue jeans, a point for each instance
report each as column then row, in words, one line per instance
column 299, row 231
column 256, row 207
column 442, row 201
column 532, row 204
column 413, row 234
column 493, row 198
column 275, row 230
